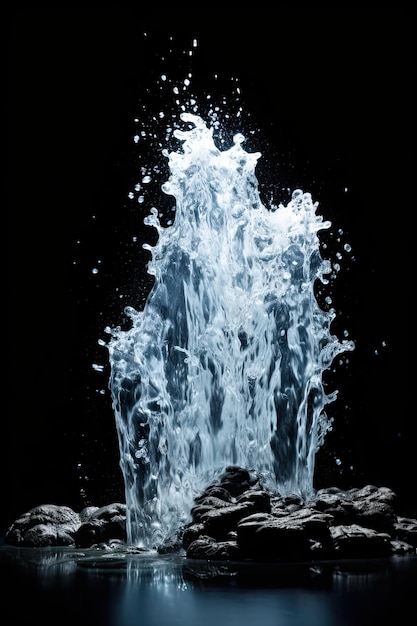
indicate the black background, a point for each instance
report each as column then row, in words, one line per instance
column 329, row 92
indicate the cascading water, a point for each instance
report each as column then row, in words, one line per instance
column 224, row 365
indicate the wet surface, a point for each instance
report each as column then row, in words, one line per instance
column 127, row 587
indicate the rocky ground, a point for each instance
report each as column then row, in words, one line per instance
column 236, row 519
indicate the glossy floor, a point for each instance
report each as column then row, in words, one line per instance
column 129, row 589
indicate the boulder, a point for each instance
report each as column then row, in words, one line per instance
column 56, row 525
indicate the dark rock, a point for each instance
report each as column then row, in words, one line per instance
column 207, row 548
column 272, row 539
column 191, row 533
column 205, row 504
column 401, row 547
column 235, row 518
column 100, row 525
column 236, row 480
column 44, row 525
column 44, row 535
column 372, row 493
column 260, row 499
column 369, row 506
column 354, row 541
column 218, row 522
column 53, row 525
column 405, row 529
column 88, row 512
column 109, row 512
column 287, row 503
column 285, row 538
column 358, row 523
column 374, row 514
column 334, row 503
column 112, row 545
column 214, row 491
column 89, row 533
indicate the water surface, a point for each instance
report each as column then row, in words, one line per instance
column 125, row 588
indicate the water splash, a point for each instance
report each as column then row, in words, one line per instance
column 224, row 364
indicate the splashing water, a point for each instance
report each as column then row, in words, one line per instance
column 224, row 365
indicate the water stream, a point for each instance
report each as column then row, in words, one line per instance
column 224, row 365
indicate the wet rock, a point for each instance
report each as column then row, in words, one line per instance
column 371, row 493
column 113, row 545
column 405, row 529
column 291, row 537
column 107, row 513
column 214, row 491
column 54, row 525
column 45, row 525
column 272, row 539
column 191, row 533
column 237, row 480
column 399, row 547
column 208, row 549
column 335, row 503
column 354, row 541
column 218, row 523
column 374, row 514
column 236, row 518
column 205, row 504
column 44, row 535
column 260, row 499
column 357, row 523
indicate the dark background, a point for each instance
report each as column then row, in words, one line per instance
column 329, row 92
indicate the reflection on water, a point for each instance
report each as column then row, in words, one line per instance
column 123, row 587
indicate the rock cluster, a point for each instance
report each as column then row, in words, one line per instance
column 236, row 519
column 54, row 525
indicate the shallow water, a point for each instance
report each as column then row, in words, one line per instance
column 123, row 588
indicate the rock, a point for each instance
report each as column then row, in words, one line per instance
column 405, row 529
column 218, row 522
column 207, row 548
column 235, row 518
column 45, row 525
column 272, row 539
column 44, row 535
column 214, row 491
column 260, row 499
column 358, row 523
column 237, row 480
column 54, row 525
column 399, row 547
column 354, row 541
